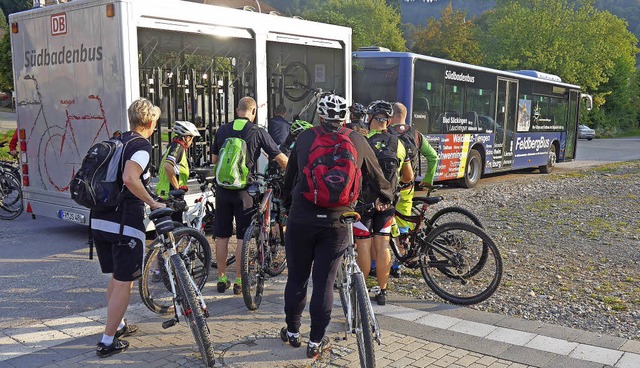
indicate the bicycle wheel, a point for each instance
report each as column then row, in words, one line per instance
column 457, row 214
column 294, row 74
column 454, row 214
column 277, row 260
column 154, row 285
column 11, row 205
column 341, row 285
column 192, row 309
column 252, row 271
column 454, row 250
column 364, row 328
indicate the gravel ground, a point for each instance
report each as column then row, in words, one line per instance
column 570, row 244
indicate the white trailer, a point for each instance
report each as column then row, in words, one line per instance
column 78, row 65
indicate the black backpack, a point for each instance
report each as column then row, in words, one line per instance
column 408, row 137
column 98, row 184
column 385, row 146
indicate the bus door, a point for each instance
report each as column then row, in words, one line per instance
column 506, row 115
column 572, row 125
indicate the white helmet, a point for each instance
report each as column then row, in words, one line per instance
column 183, row 128
column 332, row 107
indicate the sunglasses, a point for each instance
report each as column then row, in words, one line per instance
column 382, row 120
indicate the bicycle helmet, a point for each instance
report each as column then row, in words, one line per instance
column 378, row 107
column 299, row 126
column 332, row 107
column 184, row 128
column 357, row 111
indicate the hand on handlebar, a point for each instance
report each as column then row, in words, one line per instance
column 184, row 187
column 155, row 205
column 381, row 206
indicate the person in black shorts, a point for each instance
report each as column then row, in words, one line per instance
column 315, row 239
column 238, row 203
column 119, row 235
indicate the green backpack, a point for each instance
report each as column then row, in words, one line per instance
column 231, row 168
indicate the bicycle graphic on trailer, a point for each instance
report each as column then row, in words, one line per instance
column 59, row 146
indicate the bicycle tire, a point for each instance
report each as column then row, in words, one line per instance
column 464, row 216
column 277, row 255
column 341, row 284
column 157, row 295
column 11, row 204
column 364, row 329
column 457, row 214
column 252, row 270
column 295, row 72
column 192, row 309
column 455, row 246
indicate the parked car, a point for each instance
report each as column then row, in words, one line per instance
column 584, row 132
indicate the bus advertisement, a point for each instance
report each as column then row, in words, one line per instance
column 479, row 120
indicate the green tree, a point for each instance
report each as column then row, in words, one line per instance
column 450, row 37
column 7, row 7
column 373, row 22
column 569, row 38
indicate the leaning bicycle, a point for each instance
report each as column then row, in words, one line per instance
column 458, row 260
column 263, row 244
column 11, row 205
column 187, row 299
column 354, row 296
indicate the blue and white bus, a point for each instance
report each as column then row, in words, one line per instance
column 479, row 120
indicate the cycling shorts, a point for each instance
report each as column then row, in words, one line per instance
column 230, row 204
column 374, row 223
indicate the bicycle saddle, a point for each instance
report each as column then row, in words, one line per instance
column 349, row 217
column 160, row 213
column 428, row 200
column 176, row 193
column 203, row 171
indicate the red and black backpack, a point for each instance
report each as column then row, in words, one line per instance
column 332, row 172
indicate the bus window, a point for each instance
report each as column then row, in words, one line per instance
column 427, row 96
column 479, row 103
column 375, row 79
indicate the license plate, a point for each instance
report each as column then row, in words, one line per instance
column 70, row 216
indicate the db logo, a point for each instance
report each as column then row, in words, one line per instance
column 59, row 24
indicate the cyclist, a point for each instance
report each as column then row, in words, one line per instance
column 414, row 143
column 296, row 128
column 174, row 172
column 237, row 203
column 315, row 238
column 358, row 115
column 119, row 235
column 278, row 127
column 13, row 144
column 392, row 157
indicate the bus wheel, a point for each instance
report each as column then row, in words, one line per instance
column 473, row 170
column 545, row 169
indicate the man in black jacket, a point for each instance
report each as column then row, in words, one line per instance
column 315, row 239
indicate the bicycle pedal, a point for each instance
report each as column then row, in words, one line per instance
column 169, row 323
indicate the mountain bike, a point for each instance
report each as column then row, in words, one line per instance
column 263, row 244
column 154, row 286
column 308, row 111
column 354, row 296
column 11, row 205
column 202, row 214
column 187, row 299
column 458, row 259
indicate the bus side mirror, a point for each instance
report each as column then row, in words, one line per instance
column 588, row 101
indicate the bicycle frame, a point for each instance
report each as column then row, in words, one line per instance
column 196, row 214
column 352, row 270
column 168, row 248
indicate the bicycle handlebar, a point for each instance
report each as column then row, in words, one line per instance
column 307, row 87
